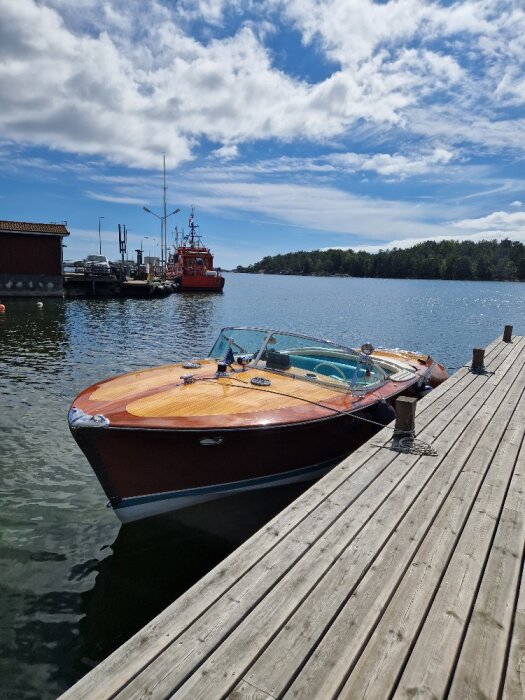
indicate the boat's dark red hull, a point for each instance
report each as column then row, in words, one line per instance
column 138, row 467
column 200, row 283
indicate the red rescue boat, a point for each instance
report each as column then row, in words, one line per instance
column 191, row 267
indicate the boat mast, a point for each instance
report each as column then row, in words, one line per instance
column 192, row 226
column 164, row 234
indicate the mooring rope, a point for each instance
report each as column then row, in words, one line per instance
column 401, row 441
column 409, row 445
column 480, row 370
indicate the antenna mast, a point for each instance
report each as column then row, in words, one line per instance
column 192, row 234
column 164, row 236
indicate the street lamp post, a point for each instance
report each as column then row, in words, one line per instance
column 99, row 239
column 163, row 235
column 162, row 231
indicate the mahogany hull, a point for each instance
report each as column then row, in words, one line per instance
column 148, row 472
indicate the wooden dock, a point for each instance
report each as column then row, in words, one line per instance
column 397, row 575
column 81, row 286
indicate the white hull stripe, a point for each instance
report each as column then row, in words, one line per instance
column 138, row 507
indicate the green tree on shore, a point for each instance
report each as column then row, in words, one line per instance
column 455, row 260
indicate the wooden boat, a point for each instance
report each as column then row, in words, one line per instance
column 191, row 266
column 265, row 408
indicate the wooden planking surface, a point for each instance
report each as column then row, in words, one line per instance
column 394, row 574
column 233, row 394
column 160, row 392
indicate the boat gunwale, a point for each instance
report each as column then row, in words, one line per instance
column 343, row 399
column 307, row 412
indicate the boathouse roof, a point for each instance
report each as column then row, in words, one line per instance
column 25, row 227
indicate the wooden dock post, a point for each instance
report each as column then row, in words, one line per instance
column 507, row 334
column 405, row 415
column 478, row 359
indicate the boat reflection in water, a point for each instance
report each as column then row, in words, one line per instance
column 266, row 408
column 154, row 561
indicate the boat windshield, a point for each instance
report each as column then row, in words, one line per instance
column 243, row 341
column 301, row 356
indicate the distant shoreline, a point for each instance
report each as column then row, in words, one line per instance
column 484, row 261
column 341, row 276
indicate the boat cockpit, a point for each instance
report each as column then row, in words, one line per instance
column 306, row 358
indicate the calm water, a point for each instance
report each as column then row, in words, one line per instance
column 74, row 583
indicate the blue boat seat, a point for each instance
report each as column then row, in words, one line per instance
column 329, row 367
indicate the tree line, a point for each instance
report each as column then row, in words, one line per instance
column 449, row 260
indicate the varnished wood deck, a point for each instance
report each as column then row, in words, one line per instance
column 158, row 397
column 397, row 575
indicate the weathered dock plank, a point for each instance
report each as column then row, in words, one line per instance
column 396, row 574
column 514, row 684
column 482, row 655
column 433, row 656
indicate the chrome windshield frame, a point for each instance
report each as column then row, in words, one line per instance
column 347, row 386
column 271, row 331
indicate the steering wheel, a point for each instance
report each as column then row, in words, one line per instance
column 332, row 366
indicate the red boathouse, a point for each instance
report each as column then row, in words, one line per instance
column 31, row 259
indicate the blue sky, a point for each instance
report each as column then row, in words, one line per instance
column 289, row 125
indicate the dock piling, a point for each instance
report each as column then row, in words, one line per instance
column 405, row 416
column 478, row 359
column 507, row 334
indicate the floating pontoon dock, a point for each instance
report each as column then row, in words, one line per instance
column 80, row 285
column 399, row 574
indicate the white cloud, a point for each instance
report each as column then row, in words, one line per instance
column 468, row 126
column 407, row 91
column 112, row 85
column 458, row 62
column 404, row 166
column 226, row 152
column 354, row 30
column 396, row 165
column 498, row 225
column 305, row 194
column 518, row 235
column 129, row 103
column 115, row 199
column 211, row 11
column 498, row 220
column 314, row 208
